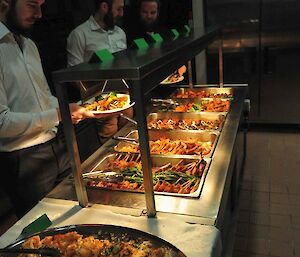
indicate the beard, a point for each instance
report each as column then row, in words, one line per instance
column 13, row 24
column 109, row 20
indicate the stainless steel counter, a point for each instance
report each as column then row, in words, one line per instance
column 210, row 207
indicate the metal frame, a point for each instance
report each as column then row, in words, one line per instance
column 143, row 69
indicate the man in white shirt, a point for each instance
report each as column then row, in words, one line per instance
column 100, row 32
column 32, row 159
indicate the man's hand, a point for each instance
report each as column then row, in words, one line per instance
column 79, row 113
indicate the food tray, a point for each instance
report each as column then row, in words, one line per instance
column 157, row 161
column 152, row 117
column 109, row 232
column 166, row 107
column 202, row 136
column 204, row 92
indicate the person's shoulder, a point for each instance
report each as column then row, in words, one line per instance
column 81, row 27
column 120, row 30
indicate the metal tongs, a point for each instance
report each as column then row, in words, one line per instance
column 38, row 252
column 127, row 140
column 108, row 176
column 127, row 118
column 163, row 102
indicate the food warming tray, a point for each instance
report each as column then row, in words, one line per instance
column 169, row 105
column 157, row 161
column 152, row 117
column 110, row 232
column 201, row 92
column 202, row 136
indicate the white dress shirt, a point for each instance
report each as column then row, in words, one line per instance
column 28, row 113
column 89, row 37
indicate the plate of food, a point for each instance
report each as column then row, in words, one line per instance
column 175, row 77
column 99, row 240
column 108, row 103
column 172, row 79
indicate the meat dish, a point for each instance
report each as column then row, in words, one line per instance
column 182, row 177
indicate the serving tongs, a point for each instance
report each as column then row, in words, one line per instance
column 163, row 102
column 39, row 252
column 127, row 140
column 127, row 118
column 104, row 176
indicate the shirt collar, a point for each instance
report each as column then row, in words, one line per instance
column 95, row 26
column 3, row 30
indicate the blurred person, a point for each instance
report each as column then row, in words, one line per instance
column 32, row 158
column 100, row 32
column 148, row 21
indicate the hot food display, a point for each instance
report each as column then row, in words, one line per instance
column 209, row 105
column 185, row 121
column 203, row 93
column 197, row 143
column 99, row 240
column 170, row 175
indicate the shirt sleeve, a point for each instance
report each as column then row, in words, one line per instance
column 15, row 124
column 75, row 48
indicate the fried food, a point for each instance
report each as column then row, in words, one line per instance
column 74, row 244
column 107, row 102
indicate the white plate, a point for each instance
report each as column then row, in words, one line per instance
column 167, row 81
column 126, row 106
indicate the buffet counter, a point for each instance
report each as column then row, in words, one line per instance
column 193, row 239
column 209, row 208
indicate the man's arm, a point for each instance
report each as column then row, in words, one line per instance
column 15, row 124
column 75, row 48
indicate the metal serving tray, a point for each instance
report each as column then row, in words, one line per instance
column 202, row 136
column 170, row 107
column 210, row 116
column 157, row 161
column 212, row 91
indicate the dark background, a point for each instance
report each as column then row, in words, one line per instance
column 60, row 17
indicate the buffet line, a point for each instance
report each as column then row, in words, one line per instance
column 183, row 133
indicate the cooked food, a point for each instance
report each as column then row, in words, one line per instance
column 74, row 244
column 212, row 105
column 185, row 124
column 105, row 102
column 201, row 94
column 173, row 78
column 182, row 177
column 216, row 105
column 169, row 146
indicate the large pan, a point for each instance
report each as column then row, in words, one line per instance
column 101, row 231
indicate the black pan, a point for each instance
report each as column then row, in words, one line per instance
column 101, row 231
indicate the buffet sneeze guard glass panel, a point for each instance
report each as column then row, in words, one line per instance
column 142, row 72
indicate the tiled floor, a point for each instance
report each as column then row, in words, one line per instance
column 269, row 205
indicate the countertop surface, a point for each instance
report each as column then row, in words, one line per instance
column 192, row 239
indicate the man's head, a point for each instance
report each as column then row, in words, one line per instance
column 23, row 14
column 110, row 11
column 148, row 12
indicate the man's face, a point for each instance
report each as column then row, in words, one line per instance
column 149, row 12
column 117, row 9
column 23, row 14
column 114, row 14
